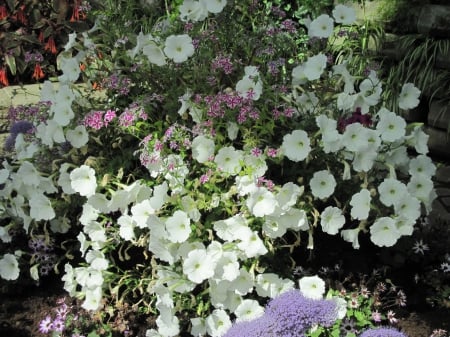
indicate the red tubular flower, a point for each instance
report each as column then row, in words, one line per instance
column 4, row 77
column 77, row 14
column 50, row 45
column 38, row 73
column 20, row 15
column 41, row 37
column 3, row 12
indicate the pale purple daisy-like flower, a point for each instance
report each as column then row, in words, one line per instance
column 46, row 325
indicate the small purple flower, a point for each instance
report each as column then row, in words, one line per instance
column 383, row 332
column 46, row 325
column 58, row 325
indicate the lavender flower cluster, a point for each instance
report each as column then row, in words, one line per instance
column 288, row 315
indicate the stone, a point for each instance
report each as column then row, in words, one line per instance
column 439, row 114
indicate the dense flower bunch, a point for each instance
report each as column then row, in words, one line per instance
column 185, row 188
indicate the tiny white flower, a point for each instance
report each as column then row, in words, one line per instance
column 312, row 287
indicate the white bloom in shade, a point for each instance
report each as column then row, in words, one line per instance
column 296, row 145
column 409, row 97
column 298, row 75
column 364, row 160
column 127, row 225
column 178, row 227
column 351, row 235
column 314, row 66
column 70, row 68
column 232, row 228
column 4, row 234
column 343, row 14
column 141, row 212
column 331, row 138
column 214, row 6
column 360, row 203
column 349, row 80
column 97, row 260
column 341, row 306
column 191, row 10
column 250, row 87
column 202, row 148
column 179, row 47
column 422, row 164
column 49, row 133
column 420, row 186
column 391, row 126
column 332, row 220
column 307, row 101
column 384, row 232
column 9, row 267
column 227, row 267
column 419, row 140
column 248, row 310
column 83, row 180
column 408, row 207
column 261, row 202
column 77, row 137
column 28, row 174
column 93, row 298
column 198, row 266
column 355, row 137
column 288, row 194
column 232, row 130
column 312, row 287
column 154, row 53
column 391, row 191
column 244, row 283
column 198, row 326
column 321, row 27
column 370, row 91
column 404, row 225
column 251, row 244
column 322, row 184
column 41, row 207
column 228, row 159
column 63, row 113
column 217, row 323
column 267, row 284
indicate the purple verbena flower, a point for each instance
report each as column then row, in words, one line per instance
column 46, row 325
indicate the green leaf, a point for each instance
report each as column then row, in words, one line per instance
column 93, row 334
column 11, row 62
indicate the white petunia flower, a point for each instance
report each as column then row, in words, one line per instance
column 360, row 203
column 391, row 126
column 70, row 68
column 248, row 310
column 391, row 191
column 141, row 212
column 422, row 164
column 267, row 284
column 83, row 180
column 250, row 87
column 322, row 184
column 77, row 137
column 261, row 202
column 314, row 66
column 351, row 235
column 251, row 244
column 154, row 53
column 9, row 267
column 421, row 187
column 217, row 323
column 408, row 207
column 296, row 145
column 384, row 232
column 298, row 75
column 198, row 266
column 178, row 227
column 214, row 6
column 418, row 139
column 355, row 137
column 349, row 80
column 321, row 27
column 192, row 10
column 409, row 97
column 332, row 220
column 227, row 267
column 179, row 47
column 202, row 148
column 307, row 101
column 228, row 159
column 93, row 298
column 312, row 287
column 344, row 14
column 244, row 283
column 41, row 207
column 126, row 229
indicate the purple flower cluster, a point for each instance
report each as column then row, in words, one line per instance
column 383, row 332
column 42, row 253
column 288, row 315
column 56, row 324
column 23, row 127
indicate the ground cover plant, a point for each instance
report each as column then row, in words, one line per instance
column 183, row 191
